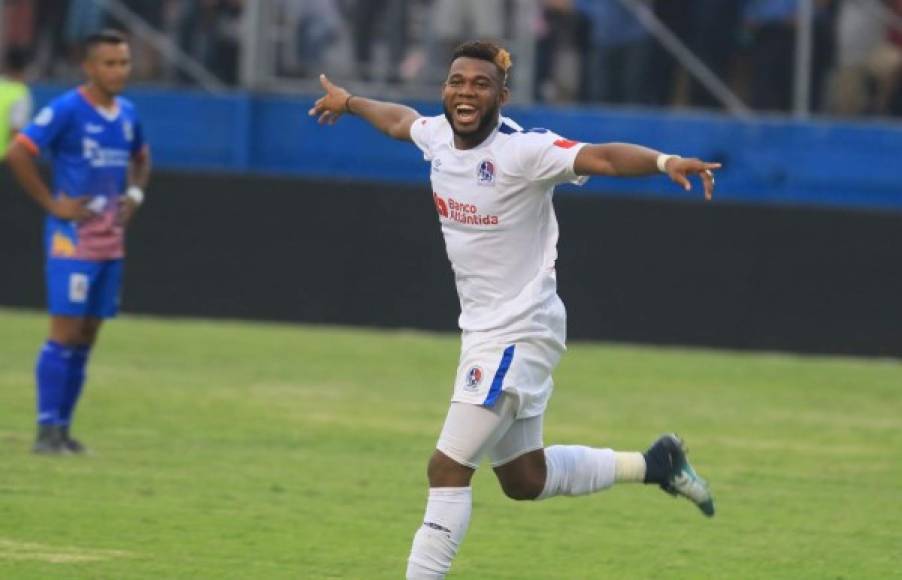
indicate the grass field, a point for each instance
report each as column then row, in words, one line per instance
column 238, row 450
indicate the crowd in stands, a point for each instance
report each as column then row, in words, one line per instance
column 586, row 51
column 51, row 32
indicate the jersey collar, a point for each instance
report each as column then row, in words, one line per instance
column 485, row 142
column 110, row 114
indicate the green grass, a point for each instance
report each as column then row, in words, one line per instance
column 237, row 450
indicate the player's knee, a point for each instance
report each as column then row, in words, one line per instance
column 523, row 489
column 443, row 471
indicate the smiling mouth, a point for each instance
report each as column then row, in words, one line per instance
column 466, row 114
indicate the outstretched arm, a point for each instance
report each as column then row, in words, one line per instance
column 391, row 118
column 625, row 160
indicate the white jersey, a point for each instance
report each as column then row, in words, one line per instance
column 500, row 230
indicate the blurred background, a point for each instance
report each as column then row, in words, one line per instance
column 825, row 57
column 800, row 99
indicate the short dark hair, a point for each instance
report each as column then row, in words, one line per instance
column 487, row 51
column 16, row 59
column 106, row 36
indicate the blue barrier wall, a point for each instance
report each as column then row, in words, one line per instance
column 772, row 161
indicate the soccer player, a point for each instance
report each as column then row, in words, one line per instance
column 493, row 185
column 101, row 166
column 15, row 97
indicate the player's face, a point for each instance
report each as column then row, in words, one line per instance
column 472, row 96
column 108, row 66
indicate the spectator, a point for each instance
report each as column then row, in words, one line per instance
column 146, row 59
column 226, row 16
column 715, row 26
column 455, row 21
column 771, row 29
column 367, row 16
column 50, row 26
column 859, row 33
column 619, row 53
column 84, row 17
column 17, row 21
column 15, row 97
column 885, row 63
column 317, row 25
column 562, row 38
column 661, row 76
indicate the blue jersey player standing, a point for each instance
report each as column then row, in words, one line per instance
column 101, row 165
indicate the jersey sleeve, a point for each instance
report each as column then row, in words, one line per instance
column 138, row 144
column 421, row 133
column 44, row 130
column 20, row 112
column 546, row 156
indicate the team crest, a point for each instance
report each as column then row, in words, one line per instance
column 44, row 117
column 485, row 175
column 128, row 131
column 474, row 378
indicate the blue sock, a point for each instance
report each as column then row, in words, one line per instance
column 52, row 373
column 76, row 380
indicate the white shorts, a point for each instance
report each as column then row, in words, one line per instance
column 471, row 431
column 520, row 362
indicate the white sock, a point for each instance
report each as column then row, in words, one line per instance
column 577, row 470
column 629, row 467
column 444, row 526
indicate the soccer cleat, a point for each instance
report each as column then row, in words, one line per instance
column 49, row 441
column 669, row 453
column 72, row 445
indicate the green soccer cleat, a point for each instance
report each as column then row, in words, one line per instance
column 682, row 480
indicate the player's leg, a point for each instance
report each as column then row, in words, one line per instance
column 51, row 375
column 60, row 374
column 87, row 336
column 103, row 303
column 79, row 298
column 526, row 472
column 469, row 432
column 68, row 282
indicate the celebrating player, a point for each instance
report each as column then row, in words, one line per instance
column 101, row 166
column 492, row 185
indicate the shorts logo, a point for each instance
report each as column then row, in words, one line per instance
column 78, row 288
column 61, row 245
column 474, row 377
column 485, row 175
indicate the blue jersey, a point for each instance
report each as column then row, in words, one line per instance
column 90, row 149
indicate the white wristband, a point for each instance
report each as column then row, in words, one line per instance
column 662, row 160
column 135, row 194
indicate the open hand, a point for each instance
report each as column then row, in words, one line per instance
column 679, row 169
column 332, row 105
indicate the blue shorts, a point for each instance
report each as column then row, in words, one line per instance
column 84, row 288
